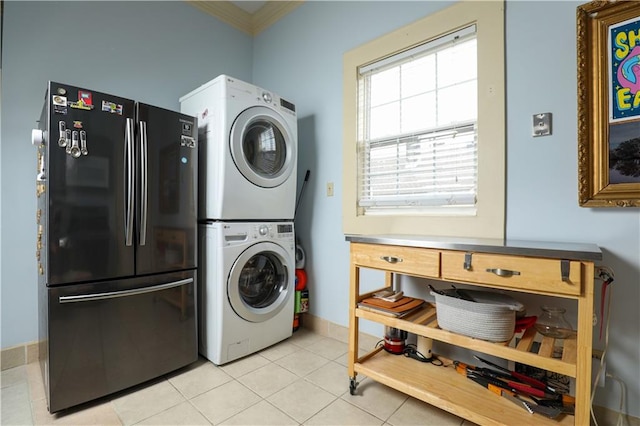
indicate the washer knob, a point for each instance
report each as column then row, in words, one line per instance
column 267, row 97
column 263, row 230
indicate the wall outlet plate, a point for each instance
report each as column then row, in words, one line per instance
column 542, row 124
column 329, row 189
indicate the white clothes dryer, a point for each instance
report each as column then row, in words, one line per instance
column 249, row 142
column 247, row 287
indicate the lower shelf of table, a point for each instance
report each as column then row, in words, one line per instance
column 423, row 322
column 446, row 389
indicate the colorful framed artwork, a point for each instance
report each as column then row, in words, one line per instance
column 608, row 59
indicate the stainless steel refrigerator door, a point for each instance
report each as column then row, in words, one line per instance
column 89, row 213
column 107, row 337
column 167, row 186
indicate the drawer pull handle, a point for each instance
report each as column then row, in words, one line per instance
column 565, row 269
column 502, row 272
column 391, row 259
column 467, row 261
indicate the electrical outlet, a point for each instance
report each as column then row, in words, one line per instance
column 329, row 189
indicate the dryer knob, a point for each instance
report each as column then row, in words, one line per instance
column 267, row 97
column 263, row 230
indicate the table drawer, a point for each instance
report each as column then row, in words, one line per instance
column 404, row 260
column 522, row 273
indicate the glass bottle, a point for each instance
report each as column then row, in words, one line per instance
column 552, row 323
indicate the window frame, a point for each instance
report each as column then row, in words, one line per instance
column 489, row 219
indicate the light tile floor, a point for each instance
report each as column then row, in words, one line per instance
column 300, row 381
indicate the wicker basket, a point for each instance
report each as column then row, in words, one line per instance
column 492, row 316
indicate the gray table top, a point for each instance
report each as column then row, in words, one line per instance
column 559, row 250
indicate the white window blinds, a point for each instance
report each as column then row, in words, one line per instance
column 417, row 132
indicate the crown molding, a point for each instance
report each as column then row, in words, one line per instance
column 252, row 24
column 227, row 12
column 271, row 12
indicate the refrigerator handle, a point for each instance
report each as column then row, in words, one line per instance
column 144, row 182
column 128, row 160
column 124, row 293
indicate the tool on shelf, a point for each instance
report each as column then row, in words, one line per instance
column 511, row 397
column 550, row 412
column 519, row 376
column 503, row 380
column 510, row 385
column 502, row 389
column 463, row 368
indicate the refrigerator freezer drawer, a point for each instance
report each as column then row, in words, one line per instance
column 105, row 337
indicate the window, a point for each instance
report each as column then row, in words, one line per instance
column 423, row 146
column 416, row 141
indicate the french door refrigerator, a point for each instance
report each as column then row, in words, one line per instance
column 116, row 243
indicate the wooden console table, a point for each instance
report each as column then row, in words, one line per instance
column 551, row 269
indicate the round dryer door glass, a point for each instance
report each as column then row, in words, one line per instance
column 262, row 280
column 262, row 147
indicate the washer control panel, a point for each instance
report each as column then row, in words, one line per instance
column 285, row 229
column 272, row 230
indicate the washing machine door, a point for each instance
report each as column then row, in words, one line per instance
column 260, row 282
column 262, row 147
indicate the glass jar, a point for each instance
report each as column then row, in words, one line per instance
column 552, row 323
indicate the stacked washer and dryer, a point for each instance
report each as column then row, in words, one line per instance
column 247, row 191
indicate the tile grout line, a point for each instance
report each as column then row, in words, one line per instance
column 337, row 360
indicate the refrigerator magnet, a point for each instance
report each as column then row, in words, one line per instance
column 59, row 100
column 85, row 97
column 77, row 124
column 59, row 104
column 79, row 104
column 111, row 107
column 187, row 128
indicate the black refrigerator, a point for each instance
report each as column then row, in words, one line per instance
column 116, row 243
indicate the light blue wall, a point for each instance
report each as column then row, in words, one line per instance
column 301, row 57
column 154, row 52
column 542, row 184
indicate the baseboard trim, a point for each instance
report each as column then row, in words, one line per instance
column 16, row 356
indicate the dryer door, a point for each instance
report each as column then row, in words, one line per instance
column 261, row 282
column 262, row 147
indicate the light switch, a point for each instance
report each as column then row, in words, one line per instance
column 329, row 189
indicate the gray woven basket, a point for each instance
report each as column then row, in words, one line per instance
column 491, row 317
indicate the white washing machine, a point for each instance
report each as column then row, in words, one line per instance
column 247, row 287
column 249, row 140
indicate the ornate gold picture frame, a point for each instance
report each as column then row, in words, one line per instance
column 609, row 104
